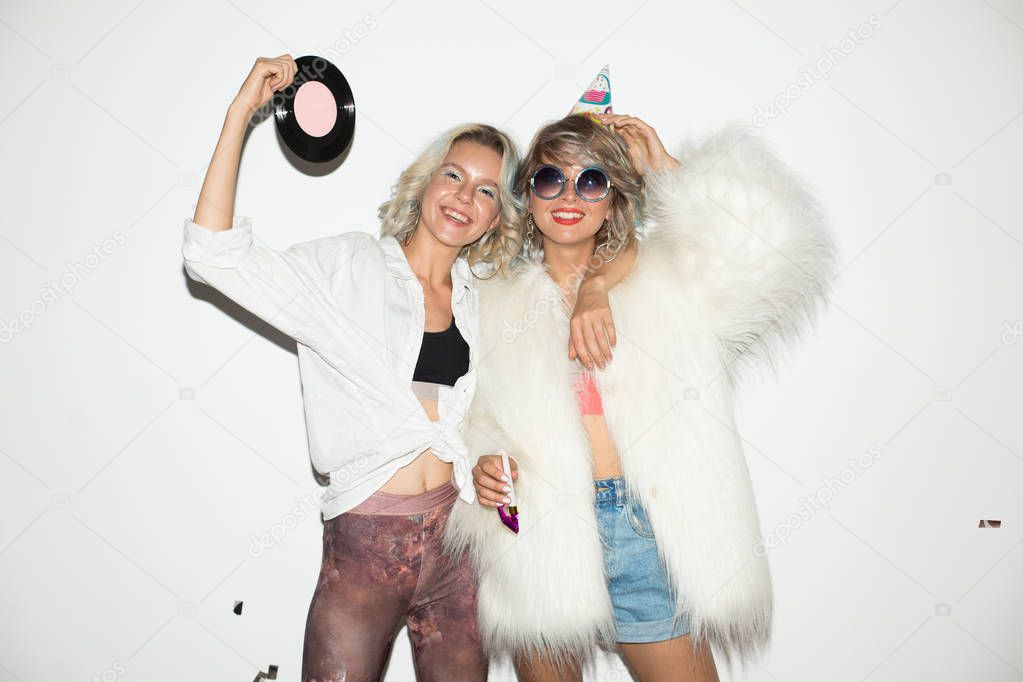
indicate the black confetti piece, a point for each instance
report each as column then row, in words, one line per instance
column 270, row 674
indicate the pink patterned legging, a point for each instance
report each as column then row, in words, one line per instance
column 383, row 567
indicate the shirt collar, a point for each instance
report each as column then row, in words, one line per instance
column 397, row 264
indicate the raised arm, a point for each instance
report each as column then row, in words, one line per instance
column 752, row 242
column 215, row 208
column 289, row 289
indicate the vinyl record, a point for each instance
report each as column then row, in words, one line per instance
column 315, row 115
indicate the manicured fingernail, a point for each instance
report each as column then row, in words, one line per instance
column 507, row 489
column 504, row 478
column 507, row 501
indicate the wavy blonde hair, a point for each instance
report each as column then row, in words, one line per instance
column 579, row 138
column 400, row 214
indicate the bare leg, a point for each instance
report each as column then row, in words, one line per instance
column 546, row 670
column 671, row 660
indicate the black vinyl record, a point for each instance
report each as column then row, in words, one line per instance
column 322, row 129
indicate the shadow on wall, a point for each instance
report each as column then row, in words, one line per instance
column 239, row 314
column 254, row 324
column 301, row 165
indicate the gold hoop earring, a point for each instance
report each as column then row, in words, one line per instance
column 606, row 246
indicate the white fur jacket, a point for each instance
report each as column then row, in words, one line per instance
column 734, row 263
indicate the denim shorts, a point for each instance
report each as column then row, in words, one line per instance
column 644, row 604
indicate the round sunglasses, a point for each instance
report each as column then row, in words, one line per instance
column 591, row 184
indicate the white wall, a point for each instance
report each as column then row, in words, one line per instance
column 149, row 428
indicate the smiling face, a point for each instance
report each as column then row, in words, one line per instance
column 461, row 202
column 568, row 220
column 572, row 144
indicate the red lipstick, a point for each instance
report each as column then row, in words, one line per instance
column 563, row 219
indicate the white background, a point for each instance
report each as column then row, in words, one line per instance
column 150, row 428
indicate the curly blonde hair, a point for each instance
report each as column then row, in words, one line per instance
column 579, row 138
column 400, row 214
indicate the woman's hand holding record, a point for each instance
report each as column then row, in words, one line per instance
column 311, row 103
column 268, row 75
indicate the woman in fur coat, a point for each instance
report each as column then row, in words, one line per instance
column 638, row 523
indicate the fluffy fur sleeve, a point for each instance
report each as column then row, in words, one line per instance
column 749, row 240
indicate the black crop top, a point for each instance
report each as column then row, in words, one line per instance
column 443, row 357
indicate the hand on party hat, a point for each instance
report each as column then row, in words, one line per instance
column 641, row 140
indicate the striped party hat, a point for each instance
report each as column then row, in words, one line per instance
column 596, row 99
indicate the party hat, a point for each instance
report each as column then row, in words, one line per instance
column 596, row 99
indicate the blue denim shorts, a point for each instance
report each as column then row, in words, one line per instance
column 644, row 604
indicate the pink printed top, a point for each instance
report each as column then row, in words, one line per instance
column 587, row 394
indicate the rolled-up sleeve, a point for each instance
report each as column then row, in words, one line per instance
column 289, row 289
column 216, row 248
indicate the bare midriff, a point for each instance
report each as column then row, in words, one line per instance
column 425, row 472
column 591, row 409
column 605, row 455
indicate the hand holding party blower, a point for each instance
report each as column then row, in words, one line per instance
column 509, row 516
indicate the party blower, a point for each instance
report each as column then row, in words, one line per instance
column 509, row 516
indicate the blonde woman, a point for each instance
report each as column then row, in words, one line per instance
column 387, row 350
column 638, row 528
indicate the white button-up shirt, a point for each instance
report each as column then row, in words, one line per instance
column 356, row 310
